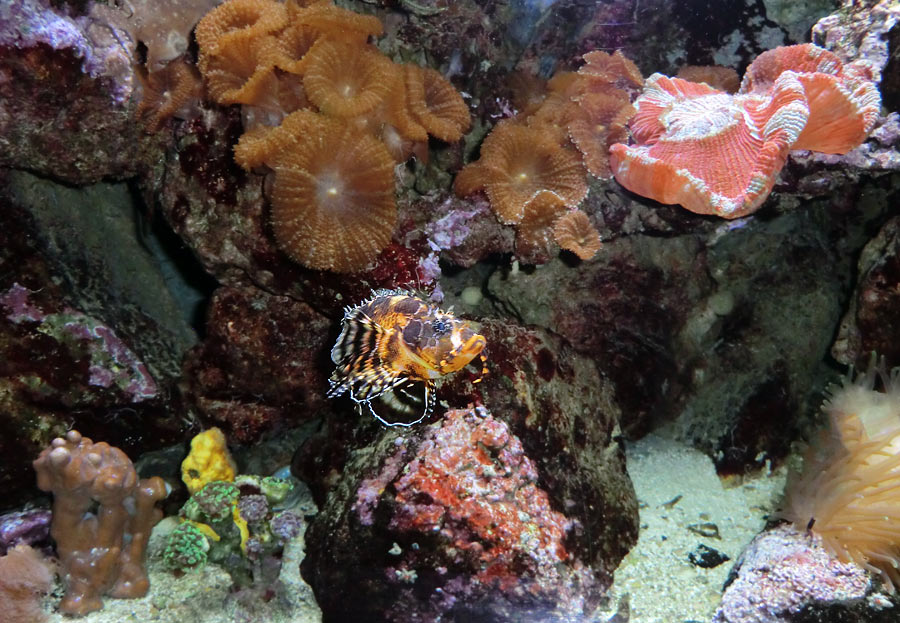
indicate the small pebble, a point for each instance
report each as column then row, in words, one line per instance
column 472, row 296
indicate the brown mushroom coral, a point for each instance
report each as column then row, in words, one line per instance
column 843, row 102
column 518, row 162
column 574, row 232
column 241, row 71
column 168, row 92
column 435, row 104
column 238, row 19
column 393, row 124
column 534, row 234
column 333, row 22
column 600, row 122
column 606, row 68
column 346, row 79
column 238, row 49
column 333, row 197
column 527, row 91
column 262, row 145
column 585, row 110
column 295, row 41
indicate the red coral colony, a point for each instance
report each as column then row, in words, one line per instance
column 433, row 310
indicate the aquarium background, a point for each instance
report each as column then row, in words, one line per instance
column 231, row 233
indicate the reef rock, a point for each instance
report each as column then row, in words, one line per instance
column 549, row 429
column 64, row 96
column 869, row 325
column 454, row 520
column 687, row 320
column 30, row 527
column 788, row 576
column 89, row 335
column 260, row 363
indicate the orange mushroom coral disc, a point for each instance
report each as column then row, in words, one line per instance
column 346, row 79
column 238, row 19
column 518, row 162
column 574, row 232
column 296, row 40
column 601, row 123
column 435, row 104
column 393, row 124
column 711, row 152
column 333, row 198
column 609, row 68
column 334, row 22
column 168, row 92
column 241, row 71
column 843, row 103
column 262, row 146
column 527, row 90
column 534, row 234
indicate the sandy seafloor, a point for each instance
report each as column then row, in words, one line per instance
column 661, row 584
column 676, row 486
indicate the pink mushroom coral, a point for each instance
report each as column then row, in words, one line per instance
column 715, row 153
column 711, row 152
column 843, row 102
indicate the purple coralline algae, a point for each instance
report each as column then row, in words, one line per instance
column 66, row 83
column 784, row 571
column 25, row 24
column 30, row 527
column 443, row 234
column 452, row 229
column 371, row 489
column 860, row 30
column 111, row 362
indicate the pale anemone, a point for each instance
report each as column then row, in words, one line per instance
column 849, row 491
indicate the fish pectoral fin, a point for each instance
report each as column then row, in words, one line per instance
column 374, row 382
column 358, row 337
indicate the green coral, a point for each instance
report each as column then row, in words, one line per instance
column 276, row 490
column 213, row 529
column 186, row 548
column 212, row 504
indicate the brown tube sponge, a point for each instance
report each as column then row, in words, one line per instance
column 102, row 517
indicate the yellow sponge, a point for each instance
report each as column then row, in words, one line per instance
column 208, row 460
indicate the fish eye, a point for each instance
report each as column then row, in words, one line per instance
column 440, row 326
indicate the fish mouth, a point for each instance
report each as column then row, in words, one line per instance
column 474, row 345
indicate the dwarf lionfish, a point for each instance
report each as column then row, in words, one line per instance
column 395, row 339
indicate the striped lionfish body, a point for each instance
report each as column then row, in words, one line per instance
column 394, row 340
